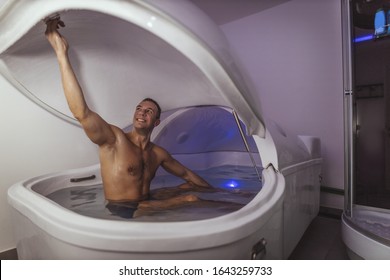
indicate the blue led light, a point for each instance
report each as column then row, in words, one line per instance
column 363, row 38
column 231, row 184
column 380, row 22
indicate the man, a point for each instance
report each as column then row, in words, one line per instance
column 128, row 160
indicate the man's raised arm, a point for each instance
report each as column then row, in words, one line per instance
column 98, row 130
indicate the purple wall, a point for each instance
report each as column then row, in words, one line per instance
column 293, row 53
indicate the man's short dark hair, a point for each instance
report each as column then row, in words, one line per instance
column 157, row 105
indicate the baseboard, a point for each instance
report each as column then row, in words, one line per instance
column 331, row 190
column 9, row 255
column 332, row 202
column 332, row 197
column 329, row 212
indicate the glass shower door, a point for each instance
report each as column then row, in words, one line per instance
column 366, row 218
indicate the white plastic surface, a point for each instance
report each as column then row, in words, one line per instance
column 123, row 51
column 95, row 237
column 366, row 234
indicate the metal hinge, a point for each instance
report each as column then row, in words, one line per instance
column 348, row 92
column 273, row 167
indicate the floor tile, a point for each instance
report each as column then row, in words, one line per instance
column 321, row 241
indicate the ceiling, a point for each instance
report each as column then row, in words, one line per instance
column 224, row 11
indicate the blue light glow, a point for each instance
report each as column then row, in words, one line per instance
column 232, row 184
column 380, row 22
column 363, row 38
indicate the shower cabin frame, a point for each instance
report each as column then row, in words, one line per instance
column 349, row 142
column 361, row 242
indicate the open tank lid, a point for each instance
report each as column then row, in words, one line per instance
column 122, row 52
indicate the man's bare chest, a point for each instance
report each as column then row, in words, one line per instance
column 135, row 161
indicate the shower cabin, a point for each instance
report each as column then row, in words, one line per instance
column 366, row 44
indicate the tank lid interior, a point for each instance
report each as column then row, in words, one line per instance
column 122, row 52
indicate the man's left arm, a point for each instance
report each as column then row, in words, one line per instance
column 176, row 168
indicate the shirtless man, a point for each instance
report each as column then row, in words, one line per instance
column 128, row 160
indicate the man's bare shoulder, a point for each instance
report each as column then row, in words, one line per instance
column 160, row 152
column 157, row 148
column 118, row 135
column 116, row 129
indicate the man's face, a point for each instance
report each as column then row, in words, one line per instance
column 145, row 115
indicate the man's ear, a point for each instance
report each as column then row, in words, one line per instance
column 157, row 122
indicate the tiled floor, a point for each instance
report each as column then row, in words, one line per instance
column 321, row 241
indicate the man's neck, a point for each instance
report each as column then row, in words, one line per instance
column 139, row 138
